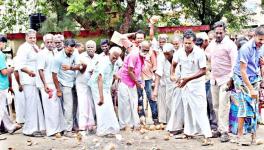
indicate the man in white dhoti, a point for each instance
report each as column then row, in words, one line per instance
column 27, row 57
column 4, row 86
column 101, row 82
column 87, row 59
column 54, row 119
column 175, row 122
column 163, row 87
column 127, row 90
column 192, row 62
column 63, row 73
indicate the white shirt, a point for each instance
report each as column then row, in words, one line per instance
column 84, row 58
column 119, row 61
column 27, row 57
column 45, row 62
column 191, row 64
column 163, row 69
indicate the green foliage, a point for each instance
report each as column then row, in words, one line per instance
column 53, row 25
column 210, row 11
column 14, row 15
column 109, row 14
column 98, row 14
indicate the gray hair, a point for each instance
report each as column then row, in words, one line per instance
column 145, row 43
column 163, row 36
column 59, row 37
column 31, row 31
column 48, row 36
column 259, row 30
column 90, row 42
column 115, row 49
column 177, row 38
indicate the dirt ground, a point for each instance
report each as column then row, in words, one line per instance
column 126, row 140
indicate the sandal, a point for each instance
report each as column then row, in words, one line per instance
column 18, row 127
column 183, row 137
column 2, row 138
column 207, row 142
column 243, row 142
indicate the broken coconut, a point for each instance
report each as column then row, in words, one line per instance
column 259, row 141
column 110, row 146
column 157, row 127
column 95, row 140
column 166, row 137
column 152, row 127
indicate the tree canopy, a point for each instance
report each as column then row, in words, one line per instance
column 121, row 15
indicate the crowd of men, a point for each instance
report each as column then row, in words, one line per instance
column 204, row 84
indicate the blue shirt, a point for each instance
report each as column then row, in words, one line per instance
column 249, row 55
column 66, row 78
column 4, row 83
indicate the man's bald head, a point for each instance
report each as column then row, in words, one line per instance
column 115, row 53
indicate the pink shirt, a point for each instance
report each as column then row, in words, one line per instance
column 150, row 64
column 132, row 60
column 223, row 59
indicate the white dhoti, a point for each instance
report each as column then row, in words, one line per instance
column 4, row 117
column 195, row 110
column 85, row 106
column 164, row 100
column 34, row 118
column 176, row 120
column 106, row 118
column 127, row 106
column 54, row 119
column 19, row 106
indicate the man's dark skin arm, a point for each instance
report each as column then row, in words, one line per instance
column 42, row 77
column 16, row 74
column 57, row 84
column 10, row 84
column 29, row 72
column 133, row 76
column 100, row 89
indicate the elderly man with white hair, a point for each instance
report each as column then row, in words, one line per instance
column 54, row 119
column 175, row 122
column 58, row 41
column 100, row 82
column 163, row 88
column 27, row 57
column 87, row 60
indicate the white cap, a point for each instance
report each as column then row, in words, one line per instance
column 202, row 35
column 167, row 47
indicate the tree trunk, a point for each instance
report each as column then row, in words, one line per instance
column 127, row 16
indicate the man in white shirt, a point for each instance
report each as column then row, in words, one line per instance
column 54, row 119
column 27, row 57
column 87, row 59
column 192, row 62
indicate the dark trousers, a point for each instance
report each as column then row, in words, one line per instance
column 153, row 104
column 210, row 111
